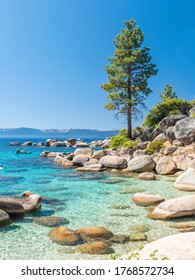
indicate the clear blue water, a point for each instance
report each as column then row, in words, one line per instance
column 85, row 199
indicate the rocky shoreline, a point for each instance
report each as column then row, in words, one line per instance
column 175, row 157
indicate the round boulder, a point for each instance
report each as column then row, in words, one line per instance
column 185, row 130
column 176, row 207
column 147, row 199
column 65, row 236
column 91, row 233
column 50, row 221
column 80, row 160
column 186, row 181
column 113, row 162
column 142, row 163
column 166, row 166
column 147, row 176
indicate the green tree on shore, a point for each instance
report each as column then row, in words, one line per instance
column 168, row 93
column 128, row 74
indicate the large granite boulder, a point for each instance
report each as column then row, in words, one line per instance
column 80, row 160
column 58, row 159
column 44, row 154
column 57, row 144
column 28, row 143
column 92, row 168
column 142, row 163
column 65, row 236
column 4, row 218
column 182, row 161
column 86, row 151
column 176, row 207
column 179, row 246
column 81, row 144
column 154, row 133
column 185, row 130
column 67, row 163
column 161, row 137
column 147, row 199
column 166, row 166
column 47, row 142
column 20, row 205
column 170, row 121
column 191, row 113
column 186, row 181
column 14, row 144
column 113, row 162
column 94, row 233
column 99, row 154
column 97, row 248
column 170, row 134
column 72, row 141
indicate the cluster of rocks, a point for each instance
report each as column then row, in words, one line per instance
column 94, row 240
column 13, row 207
column 169, row 160
column 70, row 142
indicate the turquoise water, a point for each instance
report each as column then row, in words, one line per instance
column 85, row 199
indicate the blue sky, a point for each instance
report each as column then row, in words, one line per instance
column 53, row 55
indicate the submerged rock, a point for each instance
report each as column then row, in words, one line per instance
column 50, row 221
column 147, row 176
column 138, row 236
column 139, row 228
column 4, row 218
column 94, row 233
column 121, row 239
column 147, row 199
column 64, row 235
column 98, row 248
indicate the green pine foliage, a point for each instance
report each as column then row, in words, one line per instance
column 172, row 106
column 168, row 93
column 128, row 74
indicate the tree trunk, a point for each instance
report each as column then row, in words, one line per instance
column 129, row 126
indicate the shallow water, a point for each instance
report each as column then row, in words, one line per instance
column 85, row 199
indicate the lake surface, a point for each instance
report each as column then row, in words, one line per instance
column 85, row 199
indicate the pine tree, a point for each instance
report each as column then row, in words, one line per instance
column 168, row 93
column 128, row 74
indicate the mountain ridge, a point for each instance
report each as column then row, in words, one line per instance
column 82, row 133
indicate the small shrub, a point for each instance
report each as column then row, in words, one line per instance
column 119, row 141
column 154, row 146
column 123, row 132
column 193, row 116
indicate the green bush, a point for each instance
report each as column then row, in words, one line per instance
column 193, row 116
column 165, row 108
column 154, row 146
column 119, row 141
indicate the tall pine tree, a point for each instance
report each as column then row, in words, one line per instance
column 128, row 74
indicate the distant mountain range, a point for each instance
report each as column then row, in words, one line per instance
column 52, row 133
